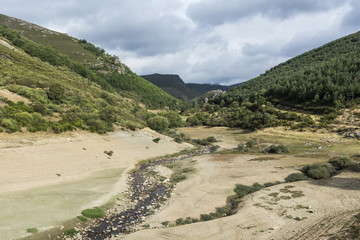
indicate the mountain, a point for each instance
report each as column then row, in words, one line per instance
column 325, row 76
column 59, row 83
column 322, row 81
column 175, row 86
column 87, row 60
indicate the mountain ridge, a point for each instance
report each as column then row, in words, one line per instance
column 174, row 85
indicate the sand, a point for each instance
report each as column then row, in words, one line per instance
column 260, row 215
column 46, row 179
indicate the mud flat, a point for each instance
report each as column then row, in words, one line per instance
column 46, row 179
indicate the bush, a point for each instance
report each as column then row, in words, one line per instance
column 276, row 149
column 158, row 123
column 206, row 217
column 241, row 148
column 251, row 143
column 156, row 140
column 10, row 124
column 294, row 177
column 32, row 230
column 345, row 161
column 319, row 170
column 211, row 139
column 214, row 148
column 93, row 213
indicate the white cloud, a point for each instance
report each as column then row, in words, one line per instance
column 201, row 40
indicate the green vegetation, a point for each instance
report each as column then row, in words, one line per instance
column 32, row 230
column 276, row 149
column 81, row 218
column 319, row 170
column 325, row 76
column 93, row 213
column 70, row 232
column 65, row 94
column 294, row 177
column 156, row 140
column 321, row 81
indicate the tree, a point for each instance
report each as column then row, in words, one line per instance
column 158, row 123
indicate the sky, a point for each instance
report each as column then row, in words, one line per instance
column 203, row 41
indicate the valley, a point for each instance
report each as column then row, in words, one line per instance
column 91, row 150
column 266, row 214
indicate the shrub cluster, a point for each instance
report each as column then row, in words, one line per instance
column 276, row 149
column 319, row 170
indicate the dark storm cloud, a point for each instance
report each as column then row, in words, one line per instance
column 217, row 12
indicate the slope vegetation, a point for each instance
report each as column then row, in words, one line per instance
column 86, row 60
column 328, row 75
column 322, row 81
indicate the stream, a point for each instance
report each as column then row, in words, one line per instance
column 145, row 195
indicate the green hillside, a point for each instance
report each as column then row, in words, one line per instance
column 175, row 86
column 326, row 76
column 59, row 99
column 85, row 59
column 321, row 81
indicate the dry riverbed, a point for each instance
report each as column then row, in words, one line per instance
column 46, row 179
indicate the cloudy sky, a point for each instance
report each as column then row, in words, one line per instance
column 204, row 41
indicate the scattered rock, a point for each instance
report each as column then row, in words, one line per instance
column 311, row 211
column 298, row 218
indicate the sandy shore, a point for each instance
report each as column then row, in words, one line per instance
column 46, row 179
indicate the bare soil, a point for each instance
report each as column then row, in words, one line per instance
column 46, row 179
column 322, row 207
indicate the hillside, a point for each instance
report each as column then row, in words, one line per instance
column 327, row 76
column 87, row 60
column 54, row 97
column 322, row 81
column 176, row 87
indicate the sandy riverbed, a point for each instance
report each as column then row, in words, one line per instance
column 46, row 179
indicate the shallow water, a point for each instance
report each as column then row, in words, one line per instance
column 45, row 207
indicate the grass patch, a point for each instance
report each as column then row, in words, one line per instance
column 93, row 213
column 32, row 230
column 70, row 232
column 260, row 159
column 81, row 218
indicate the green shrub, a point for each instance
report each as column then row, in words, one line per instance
column 81, row 218
column 10, row 124
column 156, row 140
column 165, row 223
column 241, row 148
column 32, row 230
column 214, row 148
column 211, row 139
column 93, row 213
column 276, row 149
column 179, row 221
column 251, row 143
column 293, row 177
column 319, row 170
column 345, row 161
column 23, row 118
column 158, row 123
column 206, row 217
